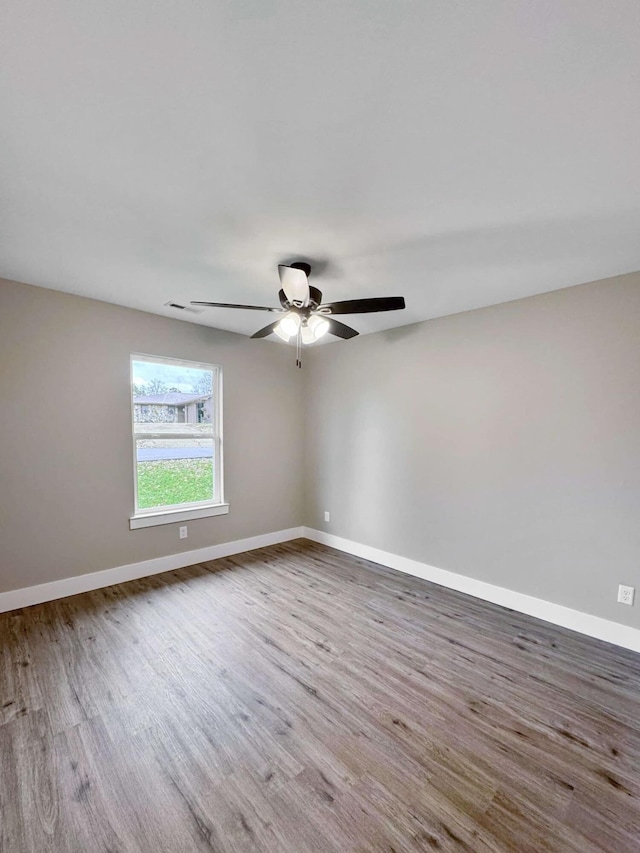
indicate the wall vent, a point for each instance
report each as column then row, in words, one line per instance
column 179, row 307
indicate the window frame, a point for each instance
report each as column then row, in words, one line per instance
column 152, row 516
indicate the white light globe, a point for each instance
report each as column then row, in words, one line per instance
column 307, row 335
column 319, row 326
column 289, row 324
column 281, row 334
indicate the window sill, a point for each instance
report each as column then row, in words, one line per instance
column 173, row 516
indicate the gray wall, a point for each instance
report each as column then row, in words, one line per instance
column 66, row 480
column 502, row 444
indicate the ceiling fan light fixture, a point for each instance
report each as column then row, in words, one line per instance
column 319, row 326
column 288, row 326
column 314, row 328
column 307, row 335
column 281, row 334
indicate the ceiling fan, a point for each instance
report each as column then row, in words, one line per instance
column 305, row 316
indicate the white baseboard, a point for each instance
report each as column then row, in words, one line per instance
column 29, row 595
column 557, row 614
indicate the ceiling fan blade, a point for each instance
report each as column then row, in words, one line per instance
column 295, row 284
column 262, row 333
column 340, row 330
column 364, row 306
column 231, row 305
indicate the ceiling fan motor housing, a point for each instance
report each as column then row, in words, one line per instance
column 315, row 298
column 300, row 265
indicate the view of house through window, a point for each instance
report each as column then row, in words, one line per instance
column 176, row 414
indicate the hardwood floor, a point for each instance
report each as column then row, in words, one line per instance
column 297, row 699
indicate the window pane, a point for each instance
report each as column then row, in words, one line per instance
column 174, row 471
column 171, row 395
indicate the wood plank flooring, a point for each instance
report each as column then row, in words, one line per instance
column 298, row 699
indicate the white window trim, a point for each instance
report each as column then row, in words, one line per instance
column 182, row 512
column 174, row 516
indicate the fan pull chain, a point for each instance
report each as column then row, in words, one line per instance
column 299, row 347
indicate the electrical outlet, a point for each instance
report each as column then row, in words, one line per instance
column 184, row 532
column 327, row 516
column 625, row 594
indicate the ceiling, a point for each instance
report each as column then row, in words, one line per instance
column 459, row 154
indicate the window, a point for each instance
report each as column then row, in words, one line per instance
column 176, row 409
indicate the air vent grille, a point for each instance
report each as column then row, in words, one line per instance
column 179, row 307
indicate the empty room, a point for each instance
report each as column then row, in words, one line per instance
column 320, row 430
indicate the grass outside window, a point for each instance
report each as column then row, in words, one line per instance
column 169, row 482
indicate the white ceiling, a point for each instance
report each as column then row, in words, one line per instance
column 459, row 154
